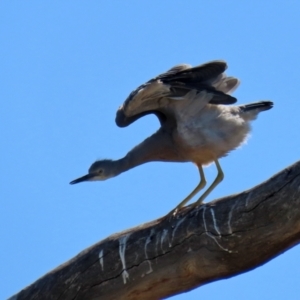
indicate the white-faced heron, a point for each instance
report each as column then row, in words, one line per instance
column 197, row 123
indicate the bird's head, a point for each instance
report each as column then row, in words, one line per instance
column 99, row 170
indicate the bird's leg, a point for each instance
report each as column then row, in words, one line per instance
column 218, row 179
column 199, row 187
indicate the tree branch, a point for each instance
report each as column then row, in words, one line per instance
column 169, row 256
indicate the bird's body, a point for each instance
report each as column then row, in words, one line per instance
column 197, row 124
column 207, row 135
column 210, row 133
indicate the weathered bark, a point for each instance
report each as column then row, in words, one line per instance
column 169, row 256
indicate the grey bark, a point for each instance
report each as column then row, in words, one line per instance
column 168, row 256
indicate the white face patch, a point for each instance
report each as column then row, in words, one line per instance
column 100, row 178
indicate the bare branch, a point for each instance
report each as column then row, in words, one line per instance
column 170, row 256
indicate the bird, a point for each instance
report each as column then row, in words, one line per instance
column 198, row 123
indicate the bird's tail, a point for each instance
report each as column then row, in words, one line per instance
column 251, row 110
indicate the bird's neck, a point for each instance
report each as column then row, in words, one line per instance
column 120, row 166
column 158, row 147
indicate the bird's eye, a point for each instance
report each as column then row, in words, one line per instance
column 100, row 171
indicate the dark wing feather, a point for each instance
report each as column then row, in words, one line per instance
column 200, row 78
column 196, row 74
column 122, row 120
column 175, row 84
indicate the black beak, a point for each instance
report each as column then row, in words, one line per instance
column 83, row 178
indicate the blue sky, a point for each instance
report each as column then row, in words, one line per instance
column 66, row 66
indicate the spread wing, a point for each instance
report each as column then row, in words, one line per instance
column 155, row 95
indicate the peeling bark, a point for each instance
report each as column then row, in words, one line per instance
column 168, row 256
